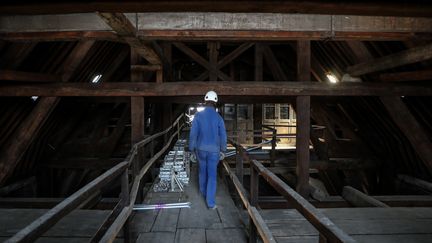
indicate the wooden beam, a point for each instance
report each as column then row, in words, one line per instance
column 323, row 224
column 213, row 51
column 44, row 222
column 146, row 68
column 11, row 75
column 14, row 150
column 200, row 60
column 411, row 128
column 273, row 64
column 220, row 35
column 29, row 128
column 409, row 56
column 359, row 199
column 137, row 104
column 17, row 185
column 223, row 88
column 15, row 55
column 416, row 182
column 234, row 54
column 303, row 120
column 312, row 6
column 124, row 28
column 406, row 76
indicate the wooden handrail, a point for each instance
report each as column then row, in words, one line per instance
column 322, row 223
column 39, row 226
column 50, row 218
column 125, row 213
column 258, row 221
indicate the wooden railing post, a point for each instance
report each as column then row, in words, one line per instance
column 239, row 164
column 125, row 202
column 254, row 191
column 273, row 149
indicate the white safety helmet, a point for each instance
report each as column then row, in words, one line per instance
column 211, row 96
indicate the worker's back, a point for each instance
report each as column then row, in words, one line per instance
column 208, row 131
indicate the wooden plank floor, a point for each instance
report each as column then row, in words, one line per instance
column 363, row 224
column 196, row 224
column 78, row 226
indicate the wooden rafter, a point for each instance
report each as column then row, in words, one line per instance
column 200, row 60
column 11, row 154
column 409, row 56
column 124, row 28
column 400, row 112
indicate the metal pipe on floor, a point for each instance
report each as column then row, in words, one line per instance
column 139, row 207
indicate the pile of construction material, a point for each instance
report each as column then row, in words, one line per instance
column 175, row 171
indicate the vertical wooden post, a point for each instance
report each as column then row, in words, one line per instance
column 303, row 120
column 239, row 164
column 254, row 193
column 213, row 56
column 137, row 104
column 125, row 198
column 257, row 108
column 273, row 149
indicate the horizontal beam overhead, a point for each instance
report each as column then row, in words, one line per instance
column 219, row 26
column 244, row 88
column 312, row 6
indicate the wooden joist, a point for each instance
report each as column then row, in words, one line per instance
column 416, row 182
column 409, row 56
column 124, row 28
column 311, row 6
column 223, row 88
column 11, row 75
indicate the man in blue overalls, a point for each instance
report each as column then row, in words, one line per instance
column 207, row 139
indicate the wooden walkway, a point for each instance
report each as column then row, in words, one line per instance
column 196, row 224
column 384, row 225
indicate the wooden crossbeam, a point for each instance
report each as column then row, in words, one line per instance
column 124, row 28
column 11, row 75
column 409, row 56
column 223, row 88
column 200, row 60
column 310, row 6
column 273, row 64
column 406, row 76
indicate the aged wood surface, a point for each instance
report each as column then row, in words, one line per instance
column 222, row 88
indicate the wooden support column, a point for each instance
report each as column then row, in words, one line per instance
column 137, row 104
column 254, row 195
column 303, row 120
column 257, row 108
column 213, row 51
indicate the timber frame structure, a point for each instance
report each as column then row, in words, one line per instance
column 91, row 91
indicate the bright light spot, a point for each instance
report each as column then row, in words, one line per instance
column 96, row 78
column 199, row 109
column 402, row 96
column 332, row 78
column 191, row 108
column 34, row 98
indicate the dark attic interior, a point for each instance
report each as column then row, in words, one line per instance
column 326, row 104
